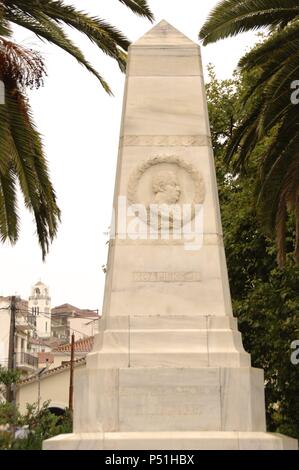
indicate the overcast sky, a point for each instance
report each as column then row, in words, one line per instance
column 80, row 127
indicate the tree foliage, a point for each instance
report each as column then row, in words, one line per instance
column 270, row 109
column 265, row 298
column 22, row 160
column 36, row 424
column 46, row 19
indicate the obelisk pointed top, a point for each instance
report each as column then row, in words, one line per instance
column 163, row 34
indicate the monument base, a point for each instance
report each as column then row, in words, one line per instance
column 205, row 440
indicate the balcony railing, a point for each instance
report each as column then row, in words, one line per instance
column 26, row 359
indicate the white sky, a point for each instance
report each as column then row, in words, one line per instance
column 80, row 126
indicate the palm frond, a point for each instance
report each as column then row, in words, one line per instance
column 22, row 158
column 31, row 170
column 273, row 47
column 22, row 65
column 45, row 28
column 297, row 228
column 40, row 17
column 279, row 190
column 231, row 17
column 140, row 7
column 106, row 37
column 5, row 30
column 9, row 221
column 8, row 205
column 236, row 146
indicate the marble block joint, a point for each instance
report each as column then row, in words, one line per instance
column 168, row 369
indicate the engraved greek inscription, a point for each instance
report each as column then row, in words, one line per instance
column 166, row 277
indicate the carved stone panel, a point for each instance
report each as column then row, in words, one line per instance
column 170, row 181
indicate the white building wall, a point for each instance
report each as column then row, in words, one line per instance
column 53, row 387
column 82, row 327
column 21, row 339
column 4, row 331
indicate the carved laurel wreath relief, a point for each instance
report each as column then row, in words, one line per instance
column 166, row 179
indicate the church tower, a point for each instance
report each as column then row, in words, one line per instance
column 39, row 306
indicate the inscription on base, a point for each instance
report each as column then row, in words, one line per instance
column 166, row 276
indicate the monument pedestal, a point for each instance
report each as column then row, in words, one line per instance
column 188, row 440
column 170, row 383
column 168, row 369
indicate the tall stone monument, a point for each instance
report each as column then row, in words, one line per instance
column 168, row 369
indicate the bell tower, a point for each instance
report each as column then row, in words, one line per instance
column 39, row 306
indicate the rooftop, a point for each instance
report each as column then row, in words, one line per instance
column 84, row 345
column 55, row 370
column 71, row 310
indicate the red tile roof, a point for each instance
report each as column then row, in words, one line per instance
column 49, row 342
column 84, row 345
column 53, row 371
column 71, row 310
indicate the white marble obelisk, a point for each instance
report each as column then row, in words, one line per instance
column 168, row 370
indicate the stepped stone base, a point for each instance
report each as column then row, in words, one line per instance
column 206, row 440
column 169, row 399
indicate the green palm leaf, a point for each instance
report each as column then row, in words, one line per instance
column 22, row 160
column 231, row 17
column 9, row 221
column 45, row 28
column 140, row 7
column 273, row 66
column 8, row 204
column 274, row 46
column 106, row 37
column 31, row 170
column 45, row 18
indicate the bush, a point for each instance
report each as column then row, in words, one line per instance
column 39, row 425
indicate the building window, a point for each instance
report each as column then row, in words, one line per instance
column 46, row 326
column 35, row 310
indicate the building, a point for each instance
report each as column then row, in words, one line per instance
column 26, row 361
column 40, row 308
column 62, row 354
column 53, row 380
column 68, row 319
column 49, row 385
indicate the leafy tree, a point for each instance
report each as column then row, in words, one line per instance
column 268, row 105
column 22, row 159
column 41, row 424
column 8, row 378
column 37, row 424
column 265, row 298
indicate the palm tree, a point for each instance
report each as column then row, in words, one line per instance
column 270, row 111
column 22, row 160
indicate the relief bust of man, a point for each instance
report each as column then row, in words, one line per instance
column 166, row 188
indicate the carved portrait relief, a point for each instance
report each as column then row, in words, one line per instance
column 166, row 188
column 166, row 184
